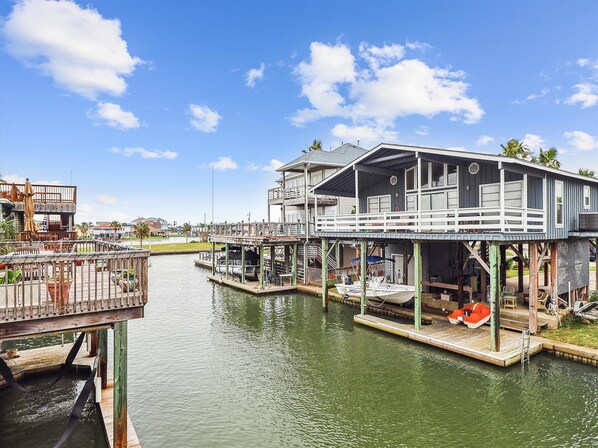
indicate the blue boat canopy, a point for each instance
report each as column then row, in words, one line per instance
column 372, row 259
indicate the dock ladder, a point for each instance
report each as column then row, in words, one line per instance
column 525, row 343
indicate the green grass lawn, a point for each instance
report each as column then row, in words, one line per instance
column 177, row 246
column 572, row 331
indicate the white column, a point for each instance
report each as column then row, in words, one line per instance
column 524, row 203
column 306, row 203
column 419, row 193
column 502, row 196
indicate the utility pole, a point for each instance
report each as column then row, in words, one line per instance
column 249, row 217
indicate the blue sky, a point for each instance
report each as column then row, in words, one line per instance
column 135, row 101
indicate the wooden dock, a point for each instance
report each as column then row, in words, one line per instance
column 457, row 339
column 250, row 287
column 106, row 408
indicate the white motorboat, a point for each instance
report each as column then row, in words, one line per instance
column 385, row 292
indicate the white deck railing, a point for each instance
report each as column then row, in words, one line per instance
column 481, row 219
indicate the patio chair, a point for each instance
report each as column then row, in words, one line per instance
column 509, row 299
column 543, row 298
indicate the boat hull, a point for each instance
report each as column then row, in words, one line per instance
column 388, row 293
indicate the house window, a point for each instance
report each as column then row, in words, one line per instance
column 559, row 202
column 379, row 204
column 425, row 174
column 437, row 174
column 410, row 179
column 451, row 174
column 586, row 197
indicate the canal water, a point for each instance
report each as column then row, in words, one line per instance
column 37, row 419
column 212, row 366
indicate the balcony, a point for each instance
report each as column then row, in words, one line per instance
column 260, row 229
column 296, row 196
column 462, row 220
column 46, row 198
column 51, row 286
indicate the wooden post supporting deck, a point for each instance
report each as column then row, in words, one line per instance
column 226, row 254
column 261, row 267
column 533, row 287
column 93, row 351
column 103, row 348
column 520, row 264
column 213, row 258
column 363, row 260
column 503, row 266
column 294, row 263
column 325, row 274
column 554, row 290
column 242, row 263
column 494, row 256
column 417, row 259
column 120, row 384
column 460, row 275
column 483, row 273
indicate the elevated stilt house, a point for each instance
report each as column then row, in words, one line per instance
column 450, row 220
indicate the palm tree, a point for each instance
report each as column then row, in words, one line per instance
column 115, row 225
column 7, row 229
column 186, row 230
column 517, row 149
column 587, row 173
column 316, row 145
column 141, row 230
column 548, row 158
column 84, row 229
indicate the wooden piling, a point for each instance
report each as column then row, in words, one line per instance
column 243, row 263
column 120, row 384
column 294, row 262
column 227, row 259
column 494, row 256
column 363, row 260
column 103, row 349
column 261, row 267
column 325, row 274
column 533, row 287
column 417, row 260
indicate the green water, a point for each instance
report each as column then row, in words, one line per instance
column 211, row 366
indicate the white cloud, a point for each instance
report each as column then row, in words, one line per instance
column 272, row 166
column 203, row 118
column 415, row 45
column 381, row 56
column 115, row 116
column 532, row 141
column 387, row 88
column 224, row 163
column 581, row 140
column 422, row 130
column 368, row 136
column 84, row 208
column 145, row 153
column 79, row 49
column 107, row 199
column 582, row 62
column 16, row 179
column 586, row 94
column 534, row 96
column 255, row 74
column 320, row 78
column 484, row 140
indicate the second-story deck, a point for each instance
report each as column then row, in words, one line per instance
column 479, row 219
column 46, row 198
column 296, row 196
column 66, row 285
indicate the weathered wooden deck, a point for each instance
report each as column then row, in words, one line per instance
column 250, row 287
column 107, row 408
column 457, row 339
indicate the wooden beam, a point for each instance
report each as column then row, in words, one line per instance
column 460, row 275
column 213, row 257
column 363, row 256
column 374, row 170
column 262, row 267
column 227, row 259
column 67, row 322
column 93, row 336
column 242, row 263
column 120, row 385
column 417, row 256
column 554, row 269
column 520, row 265
column 103, row 349
column 519, row 252
column 476, row 255
column 325, row 274
column 484, row 279
column 533, row 287
column 294, row 264
column 503, row 266
column 494, row 297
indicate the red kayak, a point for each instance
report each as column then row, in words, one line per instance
column 473, row 315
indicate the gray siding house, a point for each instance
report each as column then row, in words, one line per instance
column 447, row 218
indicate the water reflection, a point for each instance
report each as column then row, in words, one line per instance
column 213, row 366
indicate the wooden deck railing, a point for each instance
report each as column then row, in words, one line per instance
column 44, row 194
column 260, row 229
column 279, row 194
column 47, row 279
column 481, row 219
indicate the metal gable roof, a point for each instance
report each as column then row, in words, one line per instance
column 338, row 157
column 385, row 158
